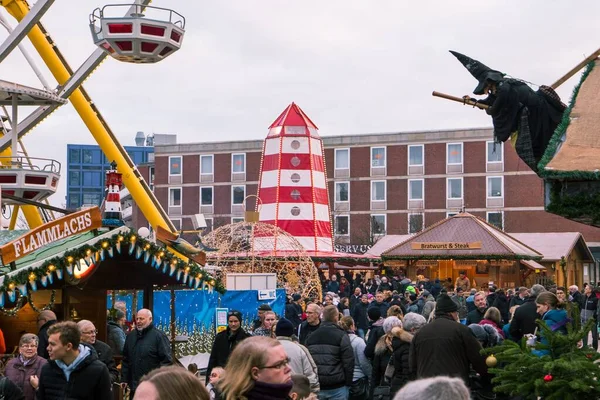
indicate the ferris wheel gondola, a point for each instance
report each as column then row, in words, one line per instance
column 146, row 34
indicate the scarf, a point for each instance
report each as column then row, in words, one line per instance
column 270, row 391
column 24, row 361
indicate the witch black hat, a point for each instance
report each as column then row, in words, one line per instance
column 480, row 71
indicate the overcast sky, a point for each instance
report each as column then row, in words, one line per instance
column 352, row 66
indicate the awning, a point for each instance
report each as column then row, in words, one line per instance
column 533, row 265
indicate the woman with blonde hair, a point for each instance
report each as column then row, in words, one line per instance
column 258, row 368
column 170, row 383
column 493, row 317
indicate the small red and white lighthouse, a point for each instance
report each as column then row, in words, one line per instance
column 114, row 183
column 293, row 182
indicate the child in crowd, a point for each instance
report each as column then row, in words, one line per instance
column 301, row 388
column 214, row 377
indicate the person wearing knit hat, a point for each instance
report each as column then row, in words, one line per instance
column 375, row 331
column 225, row 341
column 301, row 362
column 445, row 347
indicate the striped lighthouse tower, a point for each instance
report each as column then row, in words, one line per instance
column 114, row 183
column 293, row 183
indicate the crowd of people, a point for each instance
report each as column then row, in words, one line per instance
column 365, row 339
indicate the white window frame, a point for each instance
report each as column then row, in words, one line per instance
column 384, row 223
column 235, row 220
column 335, row 225
column 487, row 187
column 408, row 222
column 233, row 155
column 180, row 196
column 462, row 188
column 422, row 155
column 487, row 152
column 336, row 192
column 180, row 163
column 384, row 156
column 179, row 220
column 384, row 189
column 462, row 153
column 232, row 203
column 212, row 164
column 409, row 191
column 335, row 156
column 487, row 217
column 212, row 203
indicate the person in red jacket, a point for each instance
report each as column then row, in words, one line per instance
column 2, row 343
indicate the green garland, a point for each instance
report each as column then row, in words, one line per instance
column 92, row 252
column 444, row 257
column 582, row 207
column 556, row 140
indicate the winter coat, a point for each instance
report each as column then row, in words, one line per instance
column 475, row 316
column 222, row 347
column 436, row 288
column 470, row 303
column 383, row 307
column 20, row 374
column 362, row 366
column 293, row 312
column 144, row 351
column 42, row 349
column 523, row 321
column 461, row 303
column 105, row 355
column 401, row 340
column 330, row 348
column 492, row 323
column 445, row 347
column 589, row 308
column 360, row 317
column 557, row 321
column 9, row 390
column 333, row 286
column 375, row 333
column 381, row 359
column 428, row 309
column 301, row 362
column 516, row 300
column 305, row 330
column 116, row 338
column 491, row 298
column 89, row 380
column 502, row 304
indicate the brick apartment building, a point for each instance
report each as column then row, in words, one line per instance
column 394, row 183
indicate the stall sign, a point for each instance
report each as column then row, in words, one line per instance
column 445, row 245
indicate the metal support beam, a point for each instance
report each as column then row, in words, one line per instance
column 38, row 204
column 32, row 18
column 15, row 126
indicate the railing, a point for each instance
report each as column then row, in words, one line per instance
column 31, row 163
column 98, row 14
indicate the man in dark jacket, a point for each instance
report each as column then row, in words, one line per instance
column 475, row 316
column 146, row 348
column 312, row 323
column 519, row 298
column 445, row 347
column 375, row 332
column 226, row 341
column 380, row 303
column 360, row 316
column 45, row 320
column 332, row 352
column 523, row 321
column 103, row 351
column 293, row 310
column 73, row 371
column 9, row 390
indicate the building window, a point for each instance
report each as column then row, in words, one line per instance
column 494, row 187
column 174, row 165
column 92, row 198
column 378, row 157
column 415, row 189
column 151, row 177
column 87, row 157
column 455, row 189
column 176, row 223
column 378, row 224
column 496, row 219
column 74, row 156
column 206, row 165
column 92, row 178
column 74, row 178
column 378, row 191
column 494, row 152
column 415, row 155
column 342, row 158
column 206, row 196
column 342, row 191
column 235, row 220
column 342, row 225
column 415, row 223
column 238, row 163
column 74, row 199
column 455, row 154
column 174, row 197
column 238, row 194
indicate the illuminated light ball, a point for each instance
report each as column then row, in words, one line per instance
column 161, row 254
column 120, row 238
column 11, row 286
column 32, row 276
column 70, row 259
column 133, row 238
column 104, row 245
column 147, row 246
column 187, row 269
column 143, row 232
column 88, row 252
column 51, row 268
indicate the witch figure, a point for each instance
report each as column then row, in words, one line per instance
column 527, row 117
